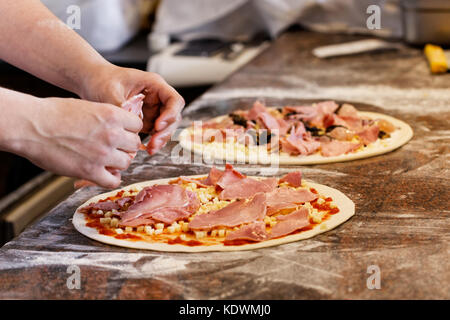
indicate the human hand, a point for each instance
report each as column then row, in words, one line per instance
column 162, row 104
column 82, row 139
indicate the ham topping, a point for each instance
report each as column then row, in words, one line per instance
column 104, row 205
column 323, row 108
column 213, row 176
column 336, row 148
column 347, row 110
column 247, row 188
column 260, row 113
column 369, row 134
column 255, row 231
column 299, row 142
column 229, row 177
column 200, row 183
column 234, row 214
column 165, row 203
column 134, row 105
column 306, row 113
column 286, row 198
column 293, row 178
column 342, row 134
column 290, row 223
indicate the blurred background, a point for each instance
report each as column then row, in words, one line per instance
column 194, row 44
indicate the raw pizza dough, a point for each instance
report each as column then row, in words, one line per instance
column 345, row 205
column 399, row 137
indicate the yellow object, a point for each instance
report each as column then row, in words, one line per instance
column 436, row 58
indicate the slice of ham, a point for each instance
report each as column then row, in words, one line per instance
column 284, row 126
column 142, row 221
column 287, row 198
column 104, row 205
column 306, row 113
column 333, row 119
column 229, row 177
column 336, row 148
column 183, row 179
column 213, row 176
column 299, row 142
column 323, row 108
column 165, row 203
column 170, row 215
column 347, row 110
column 369, row 135
column 134, row 105
column 247, row 188
column 342, row 134
column 269, row 121
column 123, row 201
column 292, row 178
column 275, row 125
column 236, row 213
column 255, row 231
column 256, row 110
column 291, row 222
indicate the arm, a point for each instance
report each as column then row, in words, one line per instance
column 33, row 39
column 69, row 136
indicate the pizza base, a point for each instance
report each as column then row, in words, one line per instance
column 399, row 137
column 345, row 205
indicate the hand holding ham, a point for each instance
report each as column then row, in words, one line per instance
column 161, row 107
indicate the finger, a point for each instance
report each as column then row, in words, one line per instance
column 129, row 142
column 151, row 112
column 172, row 102
column 118, row 160
column 130, row 121
column 106, row 179
column 160, row 138
column 171, row 110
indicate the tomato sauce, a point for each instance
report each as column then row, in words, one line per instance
column 127, row 236
column 178, row 240
column 238, row 242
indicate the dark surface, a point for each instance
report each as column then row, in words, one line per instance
column 401, row 223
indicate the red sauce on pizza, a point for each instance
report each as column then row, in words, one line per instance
column 237, row 242
column 325, row 206
column 178, row 240
column 128, row 236
column 94, row 222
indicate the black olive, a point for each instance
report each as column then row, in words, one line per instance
column 239, row 120
column 338, row 108
column 260, row 138
column 314, row 130
column 330, row 128
column 383, row 135
column 264, row 138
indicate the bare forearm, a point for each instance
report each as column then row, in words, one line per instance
column 16, row 121
column 33, row 39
